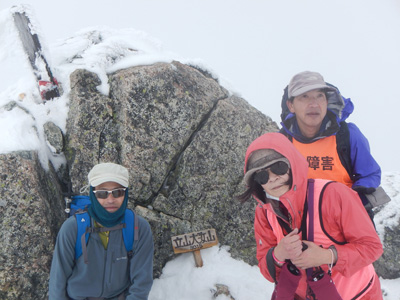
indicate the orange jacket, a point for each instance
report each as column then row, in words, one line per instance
column 343, row 216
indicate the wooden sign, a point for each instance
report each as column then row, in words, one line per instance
column 194, row 242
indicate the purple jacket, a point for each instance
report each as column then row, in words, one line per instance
column 362, row 167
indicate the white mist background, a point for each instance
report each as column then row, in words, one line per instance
column 256, row 46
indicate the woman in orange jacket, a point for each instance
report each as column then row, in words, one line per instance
column 326, row 234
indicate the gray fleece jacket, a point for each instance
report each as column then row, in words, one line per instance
column 108, row 273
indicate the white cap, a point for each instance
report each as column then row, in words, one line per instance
column 106, row 172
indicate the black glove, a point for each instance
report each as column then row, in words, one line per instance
column 364, row 190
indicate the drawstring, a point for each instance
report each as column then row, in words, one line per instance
column 120, row 297
column 331, row 265
column 84, row 189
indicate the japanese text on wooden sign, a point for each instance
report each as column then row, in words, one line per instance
column 194, row 241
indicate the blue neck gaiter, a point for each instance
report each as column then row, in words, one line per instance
column 102, row 216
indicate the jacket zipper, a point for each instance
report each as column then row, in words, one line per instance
column 111, row 264
column 104, row 270
column 291, row 220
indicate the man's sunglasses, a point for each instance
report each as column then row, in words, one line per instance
column 115, row 193
column 278, row 168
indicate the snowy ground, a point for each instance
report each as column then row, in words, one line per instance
column 181, row 280
column 102, row 50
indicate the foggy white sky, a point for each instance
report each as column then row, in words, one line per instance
column 257, row 46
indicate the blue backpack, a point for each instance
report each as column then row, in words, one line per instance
column 78, row 208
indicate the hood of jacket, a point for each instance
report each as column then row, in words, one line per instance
column 339, row 109
column 340, row 106
column 295, row 197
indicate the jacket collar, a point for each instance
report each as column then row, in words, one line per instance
column 329, row 127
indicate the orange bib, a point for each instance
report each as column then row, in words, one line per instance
column 323, row 160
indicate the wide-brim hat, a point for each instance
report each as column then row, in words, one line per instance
column 261, row 159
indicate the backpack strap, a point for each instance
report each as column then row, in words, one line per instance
column 83, row 222
column 130, row 231
column 343, row 147
column 310, row 201
column 310, row 231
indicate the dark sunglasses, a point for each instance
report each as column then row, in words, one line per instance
column 115, row 193
column 278, row 168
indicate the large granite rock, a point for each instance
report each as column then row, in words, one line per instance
column 183, row 138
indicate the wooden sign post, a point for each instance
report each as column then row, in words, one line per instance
column 193, row 242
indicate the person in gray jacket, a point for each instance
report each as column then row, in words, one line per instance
column 109, row 273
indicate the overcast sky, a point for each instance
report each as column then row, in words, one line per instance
column 257, row 46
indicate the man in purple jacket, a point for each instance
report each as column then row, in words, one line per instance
column 313, row 118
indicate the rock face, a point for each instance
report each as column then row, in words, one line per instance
column 388, row 265
column 181, row 135
column 31, row 212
